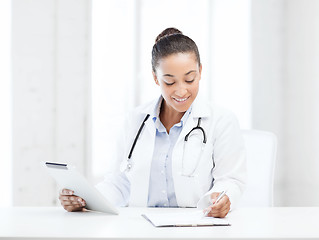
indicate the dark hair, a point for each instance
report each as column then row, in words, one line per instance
column 172, row 41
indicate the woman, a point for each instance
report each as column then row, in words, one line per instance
column 169, row 164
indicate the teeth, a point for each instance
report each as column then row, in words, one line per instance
column 181, row 100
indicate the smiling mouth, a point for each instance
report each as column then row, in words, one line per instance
column 180, row 100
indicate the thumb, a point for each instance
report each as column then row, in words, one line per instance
column 214, row 197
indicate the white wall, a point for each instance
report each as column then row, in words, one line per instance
column 285, row 60
column 121, row 59
column 267, row 38
column 301, row 101
column 50, row 42
column 51, row 92
column 5, row 103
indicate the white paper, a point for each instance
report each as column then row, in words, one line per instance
column 184, row 219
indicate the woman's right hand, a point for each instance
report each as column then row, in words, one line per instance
column 70, row 202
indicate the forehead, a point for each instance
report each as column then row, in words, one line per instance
column 179, row 63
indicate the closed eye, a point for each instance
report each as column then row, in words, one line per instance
column 169, row 84
column 190, row 81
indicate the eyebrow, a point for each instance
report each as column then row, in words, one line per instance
column 170, row 75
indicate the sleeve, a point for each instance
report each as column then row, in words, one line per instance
column 229, row 161
column 116, row 186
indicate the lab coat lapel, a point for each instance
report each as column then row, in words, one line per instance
column 140, row 180
column 199, row 109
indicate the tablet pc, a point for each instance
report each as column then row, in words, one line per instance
column 70, row 178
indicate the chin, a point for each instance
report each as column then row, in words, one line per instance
column 181, row 109
column 180, row 106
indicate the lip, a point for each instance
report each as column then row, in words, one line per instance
column 178, row 100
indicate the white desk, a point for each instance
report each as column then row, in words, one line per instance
column 249, row 223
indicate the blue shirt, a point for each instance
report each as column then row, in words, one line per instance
column 161, row 187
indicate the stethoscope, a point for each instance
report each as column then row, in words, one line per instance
column 198, row 127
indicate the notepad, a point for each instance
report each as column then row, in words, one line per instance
column 184, row 219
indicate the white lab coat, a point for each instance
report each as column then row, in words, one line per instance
column 222, row 158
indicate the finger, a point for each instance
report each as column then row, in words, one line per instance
column 221, row 212
column 221, row 202
column 216, row 213
column 65, row 200
column 213, row 197
column 207, row 210
column 81, row 201
column 67, row 192
column 78, row 202
column 225, row 208
column 74, row 202
column 72, row 206
column 73, row 209
column 66, row 203
column 221, row 206
column 76, row 205
column 219, row 209
column 71, row 198
column 216, row 207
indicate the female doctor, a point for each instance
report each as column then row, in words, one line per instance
column 176, row 151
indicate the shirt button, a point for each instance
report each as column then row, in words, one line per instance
column 162, row 172
column 165, row 205
column 163, row 191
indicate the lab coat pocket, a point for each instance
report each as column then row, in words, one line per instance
column 192, row 152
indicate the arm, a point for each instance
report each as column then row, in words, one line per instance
column 229, row 170
column 116, row 186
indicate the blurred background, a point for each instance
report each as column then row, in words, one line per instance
column 69, row 69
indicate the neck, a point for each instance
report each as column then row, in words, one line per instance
column 169, row 116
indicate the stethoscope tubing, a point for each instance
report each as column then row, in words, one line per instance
column 186, row 137
column 197, row 127
column 129, row 164
column 138, row 135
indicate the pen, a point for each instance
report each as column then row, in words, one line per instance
column 220, row 196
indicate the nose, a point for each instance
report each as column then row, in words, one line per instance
column 181, row 92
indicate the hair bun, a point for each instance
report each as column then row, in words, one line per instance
column 167, row 32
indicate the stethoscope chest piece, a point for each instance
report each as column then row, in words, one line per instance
column 128, row 167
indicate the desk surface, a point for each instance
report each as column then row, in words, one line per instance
column 247, row 223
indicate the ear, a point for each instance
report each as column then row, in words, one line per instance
column 200, row 71
column 155, row 78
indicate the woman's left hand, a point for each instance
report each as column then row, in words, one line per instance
column 220, row 209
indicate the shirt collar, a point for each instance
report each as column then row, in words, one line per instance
column 156, row 119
